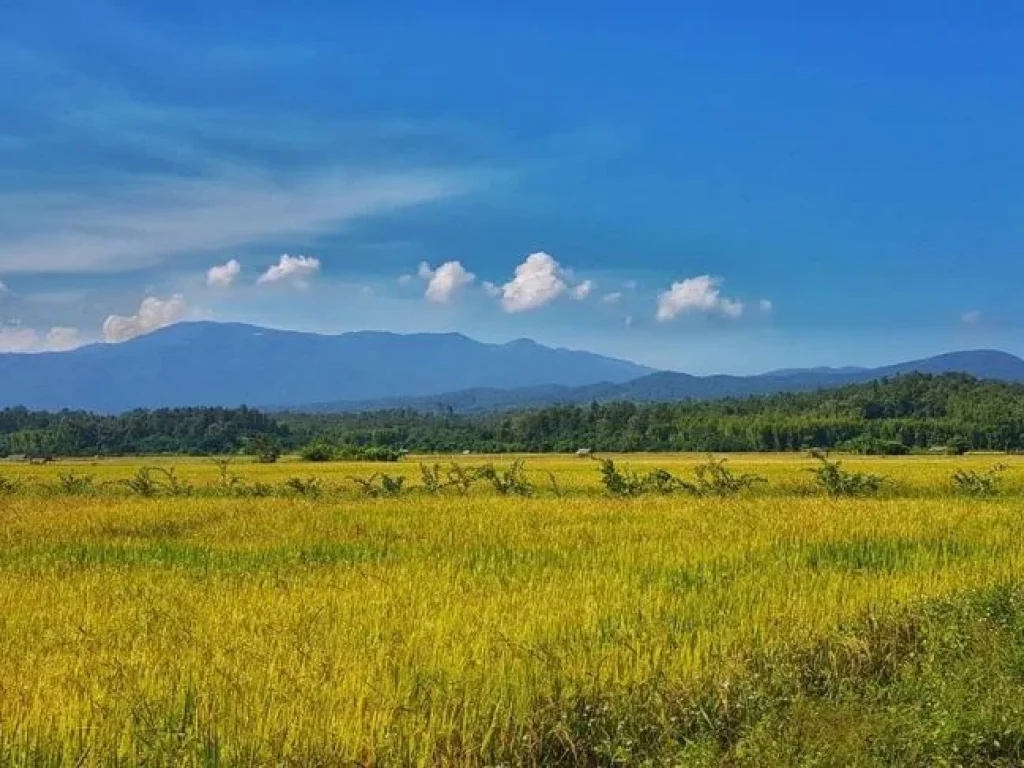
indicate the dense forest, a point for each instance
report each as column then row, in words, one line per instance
column 914, row 411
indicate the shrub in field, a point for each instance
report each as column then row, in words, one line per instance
column 143, row 483
column 461, row 478
column 872, row 446
column 969, row 482
column 431, row 478
column 372, row 453
column 309, row 487
column 664, row 482
column 318, row 450
column 8, row 486
column 264, row 448
column 73, row 484
column 379, row 484
column 226, row 479
column 715, row 479
column 556, row 488
column 508, row 482
column 836, row 481
column 621, row 483
column 255, row 490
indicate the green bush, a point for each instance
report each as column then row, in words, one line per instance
column 836, row 481
column 969, row 482
column 319, row 451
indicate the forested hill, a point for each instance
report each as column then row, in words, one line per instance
column 912, row 411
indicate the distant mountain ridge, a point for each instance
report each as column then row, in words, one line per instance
column 230, row 364
column 664, row 386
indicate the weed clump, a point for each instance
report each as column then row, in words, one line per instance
column 969, row 482
column 508, row 482
column 836, row 481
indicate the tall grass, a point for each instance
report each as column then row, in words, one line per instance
column 486, row 628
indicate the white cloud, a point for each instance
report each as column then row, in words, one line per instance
column 611, row 298
column 765, row 305
column 972, row 317
column 131, row 226
column 630, row 285
column 697, row 294
column 17, row 338
column 583, row 290
column 628, row 321
column 4, row 290
column 153, row 313
column 61, row 339
column 224, row 275
column 445, row 281
column 406, row 279
column 491, row 289
column 424, row 271
column 295, row 269
column 538, row 281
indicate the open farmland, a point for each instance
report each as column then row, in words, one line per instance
column 207, row 624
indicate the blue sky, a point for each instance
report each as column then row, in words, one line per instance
column 719, row 189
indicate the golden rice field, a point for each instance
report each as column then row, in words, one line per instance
column 779, row 627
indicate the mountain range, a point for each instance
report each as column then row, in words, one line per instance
column 664, row 386
column 229, row 364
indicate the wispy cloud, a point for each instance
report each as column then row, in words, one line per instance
column 146, row 222
column 583, row 290
column 971, row 317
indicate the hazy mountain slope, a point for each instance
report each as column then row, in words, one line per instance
column 668, row 386
column 231, row 364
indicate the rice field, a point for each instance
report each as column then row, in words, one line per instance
column 778, row 627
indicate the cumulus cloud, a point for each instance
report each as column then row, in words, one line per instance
column 972, row 317
column 583, row 290
column 62, row 338
column 445, row 281
column 765, row 305
column 153, row 313
column 17, row 338
column 538, row 281
column 491, row 289
column 611, row 298
column 697, row 294
column 294, row 269
column 224, row 275
column 424, row 271
column 406, row 279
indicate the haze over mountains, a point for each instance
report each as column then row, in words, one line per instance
column 205, row 363
column 229, row 364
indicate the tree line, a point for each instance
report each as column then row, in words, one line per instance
column 909, row 412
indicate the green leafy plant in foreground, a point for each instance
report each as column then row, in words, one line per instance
column 836, row 481
column 969, row 482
